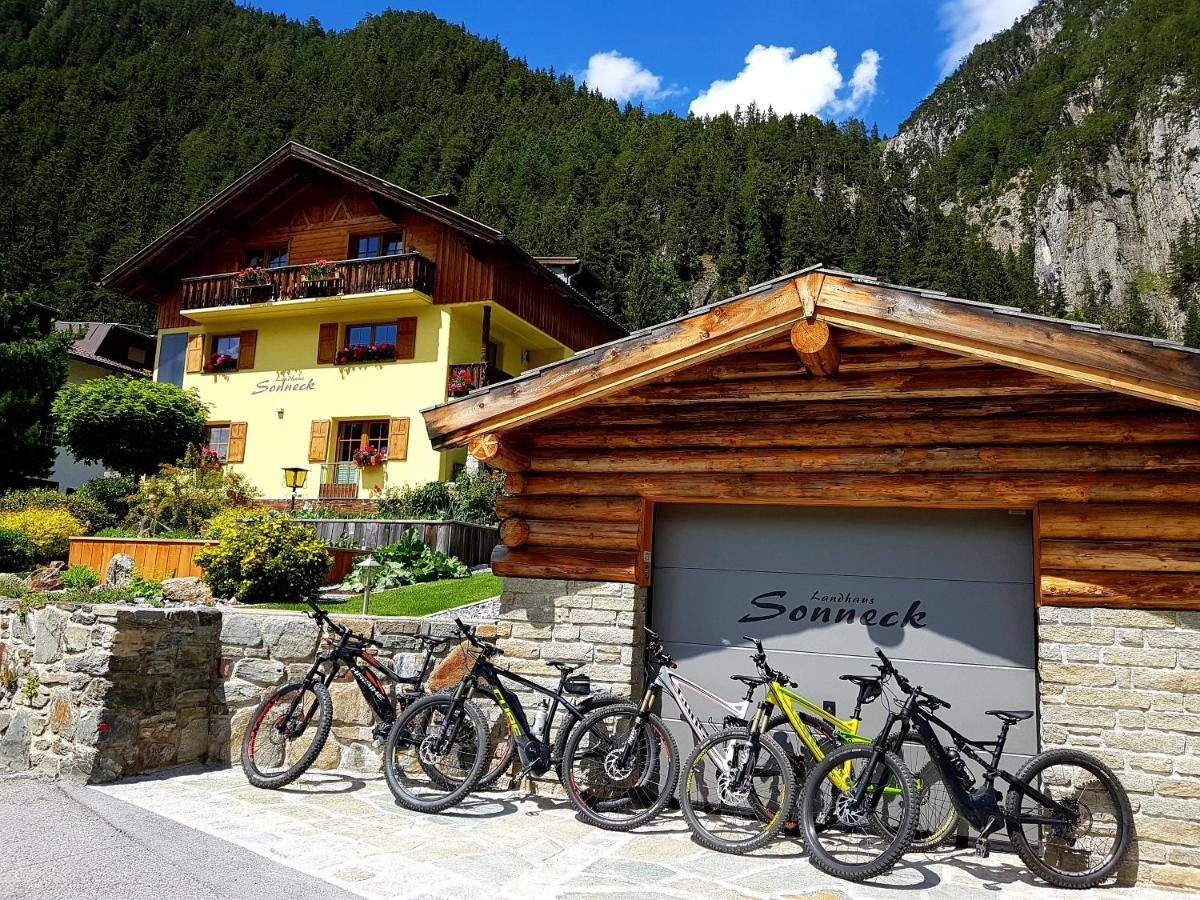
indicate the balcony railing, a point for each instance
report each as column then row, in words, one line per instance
column 477, row 375
column 400, row 271
column 339, row 481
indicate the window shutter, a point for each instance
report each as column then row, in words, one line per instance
column 237, row 443
column 195, row 353
column 327, row 341
column 318, row 441
column 398, row 440
column 247, row 345
column 406, row 338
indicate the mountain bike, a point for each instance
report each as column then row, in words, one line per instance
column 427, row 760
column 736, row 784
column 289, row 728
column 1066, row 814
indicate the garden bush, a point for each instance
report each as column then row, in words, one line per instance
column 431, row 500
column 92, row 514
column 106, row 595
column 219, row 525
column 408, row 561
column 12, row 587
column 113, row 492
column 185, row 497
column 16, row 551
column 273, row 560
column 80, row 578
column 475, row 495
column 48, row 530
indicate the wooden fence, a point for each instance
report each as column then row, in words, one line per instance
column 160, row 558
column 472, row 544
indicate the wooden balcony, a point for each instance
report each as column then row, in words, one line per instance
column 379, row 274
column 478, row 374
column 339, row 481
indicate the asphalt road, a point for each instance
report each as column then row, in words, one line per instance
column 64, row 840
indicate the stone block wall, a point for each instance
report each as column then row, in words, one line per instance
column 105, row 691
column 1125, row 685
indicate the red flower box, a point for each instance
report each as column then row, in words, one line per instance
column 362, row 353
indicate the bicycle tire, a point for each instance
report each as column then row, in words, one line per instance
column 250, row 739
column 499, row 764
column 587, row 706
column 1123, row 810
column 408, row 728
column 655, row 730
column 928, row 779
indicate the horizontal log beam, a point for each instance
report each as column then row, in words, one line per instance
column 1122, row 556
column 1117, row 429
column 514, row 483
column 1120, row 521
column 581, row 535
column 814, row 343
column 918, row 385
column 968, row 490
column 591, row 509
column 1120, row 590
column 499, row 452
column 847, row 340
column 576, row 565
column 514, row 532
column 784, row 363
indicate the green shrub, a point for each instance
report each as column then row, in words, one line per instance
column 431, row 500
column 144, row 588
column 90, row 512
column 217, row 526
column 49, row 530
column 31, row 686
column 408, row 561
column 126, row 531
column 184, row 498
column 16, row 551
column 106, row 595
column 12, row 587
column 275, row 559
column 475, row 495
column 80, row 578
column 114, row 493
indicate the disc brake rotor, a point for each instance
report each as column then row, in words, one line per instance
column 616, row 768
column 848, row 815
column 428, row 751
column 730, row 796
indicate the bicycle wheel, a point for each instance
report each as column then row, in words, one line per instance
column 737, row 817
column 620, row 767
column 937, row 818
column 502, row 744
column 280, row 744
column 586, row 706
column 435, row 753
column 856, row 841
column 1090, row 851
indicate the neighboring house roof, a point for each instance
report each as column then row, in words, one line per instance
column 90, row 346
column 1153, row 369
column 289, row 160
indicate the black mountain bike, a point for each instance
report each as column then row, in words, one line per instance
column 1066, row 814
column 429, row 758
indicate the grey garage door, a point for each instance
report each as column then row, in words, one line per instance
column 947, row 594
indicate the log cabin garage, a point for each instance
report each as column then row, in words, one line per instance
column 1008, row 504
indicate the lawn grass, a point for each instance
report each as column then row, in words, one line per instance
column 412, row 600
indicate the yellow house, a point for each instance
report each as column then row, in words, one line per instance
column 317, row 308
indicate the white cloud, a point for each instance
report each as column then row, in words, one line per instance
column 622, row 78
column 971, row 22
column 776, row 78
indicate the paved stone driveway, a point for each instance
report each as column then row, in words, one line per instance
column 346, row 829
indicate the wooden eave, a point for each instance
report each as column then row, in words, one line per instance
column 1075, row 352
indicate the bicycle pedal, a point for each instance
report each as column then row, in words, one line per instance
column 515, row 780
column 982, row 849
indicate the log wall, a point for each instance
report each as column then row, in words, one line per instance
column 1114, row 481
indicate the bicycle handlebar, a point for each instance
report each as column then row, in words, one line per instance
column 905, row 685
column 469, row 633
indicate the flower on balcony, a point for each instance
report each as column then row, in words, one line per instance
column 220, row 362
column 462, row 380
column 208, row 459
column 358, row 353
column 250, row 276
column 369, row 456
column 321, row 270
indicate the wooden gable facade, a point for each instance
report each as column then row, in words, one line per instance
column 830, row 390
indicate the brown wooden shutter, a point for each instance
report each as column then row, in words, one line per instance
column 406, row 338
column 237, row 443
column 247, row 345
column 195, row 353
column 398, row 439
column 318, row 441
column 327, row 343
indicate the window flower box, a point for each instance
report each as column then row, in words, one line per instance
column 364, row 353
column 253, row 293
column 462, row 382
column 220, row 362
column 321, row 279
column 369, row 457
column 209, row 459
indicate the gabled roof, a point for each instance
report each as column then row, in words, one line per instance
column 89, row 345
column 290, row 162
column 1153, row 369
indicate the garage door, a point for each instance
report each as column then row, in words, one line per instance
column 947, row 594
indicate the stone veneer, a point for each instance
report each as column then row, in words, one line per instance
column 1125, row 685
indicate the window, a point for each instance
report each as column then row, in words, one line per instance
column 367, row 246
column 354, row 436
column 226, row 345
column 172, row 358
column 137, row 355
column 216, row 438
column 270, row 257
column 374, row 333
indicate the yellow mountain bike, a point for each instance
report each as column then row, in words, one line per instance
column 740, row 784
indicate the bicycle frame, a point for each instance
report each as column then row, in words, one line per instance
column 673, row 684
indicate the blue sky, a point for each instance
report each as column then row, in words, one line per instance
column 876, row 59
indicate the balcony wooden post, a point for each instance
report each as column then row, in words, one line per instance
column 485, row 338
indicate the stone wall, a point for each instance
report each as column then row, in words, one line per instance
column 1125, row 685
column 105, row 691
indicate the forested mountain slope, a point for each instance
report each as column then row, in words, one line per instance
column 119, row 116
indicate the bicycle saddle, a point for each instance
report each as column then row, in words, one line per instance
column 431, row 640
column 1010, row 716
column 751, row 680
column 564, row 666
column 860, row 680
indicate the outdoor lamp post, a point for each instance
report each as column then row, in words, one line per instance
column 294, row 478
column 368, row 567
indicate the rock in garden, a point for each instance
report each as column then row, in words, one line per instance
column 47, row 578
column 119, row 571
column 185, row 590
